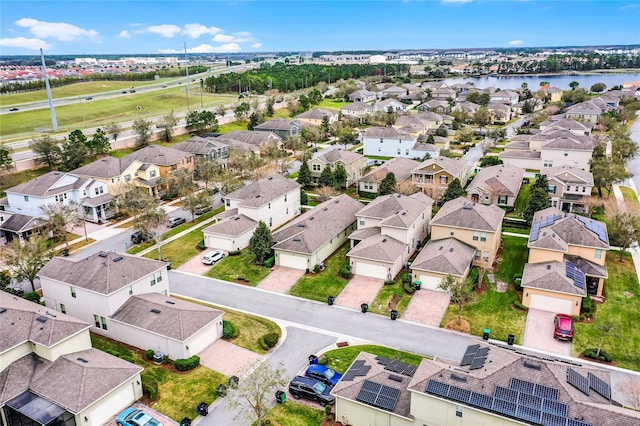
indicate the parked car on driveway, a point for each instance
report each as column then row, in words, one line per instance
column 212, row 257
column 175, row 221
column 563, row 327
column 312, row 389
column 324, row 374
column 134, row 417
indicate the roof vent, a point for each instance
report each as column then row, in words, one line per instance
column 311, row 218
column 3, row 310
column 440, row 249
column 302, row 225
column 236, row 218
column 82, row 360
column 297, row 240
column 458, row 377
column 532, row 365
column 41, row 319
column 384, row 240
column 336, row 201
column 270, row 178
column 169, row 302
column 451, row 250
column 155, row 311
column 548, row 266
column 395, row 378
column 103, row 254
column 49, row 314
column 325, row 209
column 118, row 259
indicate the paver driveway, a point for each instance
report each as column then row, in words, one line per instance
column 359, row 290
column 195, row 265
column 228, row 359
column 538, row 333
column 427, row 307
column 281, row 279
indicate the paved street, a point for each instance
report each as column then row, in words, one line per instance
column 634, row 165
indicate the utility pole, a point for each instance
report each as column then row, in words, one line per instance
column 186, row 60
column 54, row 120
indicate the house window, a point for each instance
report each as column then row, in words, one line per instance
column 452, row 232
column 566, row 154
column 552, row 189
column 153, row 280
column 99, row 190
column 398, row 151
column 103, row 321
column 362, row 221
column 379, row 149
column 227, row 203
column 127, row 178
column 269, row 205
column 174, row 167
column 458, row 410
column 584, row 189
column 63, row 308
column 406, row 152
column 485, row 256
column 476, row 255
column 152, row 173
column 598, row 254
column 476, row 236
column 548, row 163
column 316, row 167
column 159, row 277
column 285, row 198
column 502, row 199
column 73, row 291
column 568, row 188
column 270, row 222
column 381, row 140
column 130, row 290
column 287, row 211
column 483, row 237
column 26, row 198
column 96, row 320
column 444, row 179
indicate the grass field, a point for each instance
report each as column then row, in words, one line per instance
column 628, row 194
column 331, row 104
column 323, row 284
column 232, row 268
column 384, row 296
column 513, row 257
column 294, row 414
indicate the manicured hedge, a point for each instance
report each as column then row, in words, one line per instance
column 187, row 364
column 150, row 353
column 229, row 330
column 269, row 340
column 592, row 353
column 150, row 385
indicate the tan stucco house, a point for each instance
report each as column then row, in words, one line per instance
column 353, row 163
column 433, row 176
column 400, row 167
column 439, row 258
column 497, row 185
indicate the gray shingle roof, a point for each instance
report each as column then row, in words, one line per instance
column 317, row 114
column 20, row 223
column 346, row 156
column 316, row 227
column 502, row 179
column 105, row 167
column 177, row 319
column 199, row 146
column 551, row 276
column 356, row 107
column 569, row 174
column 280, row 124
column 447, row 256
column 381, row 248
column 103, row 272
column 19, row 323
column 397, row 210
column 254, row 137
column 232, row 226
column 46, row 185
column 401, row 167
column 450, row 165
column 387, row 132
column 155, row 154
column 462, row 213
column 264, row 191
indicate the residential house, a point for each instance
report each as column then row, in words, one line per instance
column 584, row 111
column 434, row 175
column 255, row 138
column 488, row 385
column 168, row 160
column 473, row 223
column 390, row 104
column 313, row 236
column 469, row 107
column 87, row 195
column 507, row 97
column 443, row 94
column 208, row 148
column 49, row 374
column 273, row 200
column 353, row 163
column 439, row 258
column 497, row 185
column 391, row 142
column 554, row 94
column 436, row 106
column 282, row 127
column 534, row 104
column 399, row 166
column 19, row 227
column 389, row 230
column 577, row 242
column 362, row 96
column 500, row 113
column 419, row 123
column 357, row 109
column 392, row 92
column 569, row 187
column 316, row 116
column 578, row 128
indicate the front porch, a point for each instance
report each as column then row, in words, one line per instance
column 98, row 209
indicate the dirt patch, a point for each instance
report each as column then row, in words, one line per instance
column 627, row 294
column 518, row 308
column 331, row 421
column 599, row 361
column 482, row 286
column 463, row 327
column 393, row 303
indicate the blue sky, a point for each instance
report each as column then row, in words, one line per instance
column 130, row 27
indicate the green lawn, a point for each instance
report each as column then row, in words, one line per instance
column 515, row 230
column 621, row 310
column 384, row 296
column 513, row 256
column 323, row 284
column 178, row 393
column 340, row 359
column 232, row 268
column 234, row 125
column 523, row 195
column 628, row 194
column 295, row 414
column 331, row 104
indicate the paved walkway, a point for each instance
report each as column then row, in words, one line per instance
column 359, row 290
column 427, row 307
column 228, row 359
column 195, row 265
column 538, row 333
column 281, row 279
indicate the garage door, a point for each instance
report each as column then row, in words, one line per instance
column 292, row 261
column 370, row 270
column 429, row 282
column 551, row 304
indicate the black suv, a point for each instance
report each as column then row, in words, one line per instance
column 309, row 388
column 139, row 237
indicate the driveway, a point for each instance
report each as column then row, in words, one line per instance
column 538, row 333
column 427, row 307
column 227, row 358
column 157, row 415
column 359, row 290
column 195, row 265
column 281, row 279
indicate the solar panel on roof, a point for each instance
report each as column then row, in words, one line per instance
column 553, row 420
column 477, row 363
column 578, row 381
column 366, row 397
column 546, row 392
column 481, row 400
column 528, row 414
column 385, row 403
column 371, row 386
column 600, row 386
column 459, row 394
column 504, row 407
column 554, row 407
column 472, row 349
column 505, row 394
column 522, row 385
column 575, row 274
column 574, row 422
column 377, row 395
column 437, row 388
column 466, row 359
column 531, row 401
column 359, row 368
column 482, row 352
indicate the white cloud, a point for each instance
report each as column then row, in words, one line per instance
column 256, row 45
column 166, row 30
column 515, row 42
column 124, row 34
column 457, row 1
column 26, row 43
column 207, row 48
column 196, row 30
column 59, row 30
column 241, row 37
column 629, row 6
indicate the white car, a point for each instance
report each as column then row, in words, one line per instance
column 212, row 257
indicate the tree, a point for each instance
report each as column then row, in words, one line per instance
column 200, row 121
column 254, row 120
column 304, row 198
column 269, row 111
column 623, row 224
column 484, row 99
column 168, row 122
column 442, row 132
column 315, row 97
column 73, row 151
column 482, row 117
column 406, row 187
column 150, row 220
column 598, row 87
column 304, row 102
column 59, row 216
column 387, row 184
column 538, row 200
column 114, row 130
column 6, row 162
column 542, row 182
column 465, row 135
column 78, row 138
column 604, row 329
column 206, row 171
column 47, row 151
column 454, row 190
column 253, row 398
column 142, row 128
column 261, row 242
column 490, row 160
column 528, row 106
column 340, row 177
column 325, row 193
column 607, row 172
column 461, row 292
column 99, row 143
column 196, row 201
column 324, row 126
column 347, row 136
column 623, row 148
column 326, row 177
column 574, row 85
column 473, row 97
column 27, row 259
column 242, row 110
column 181, row 182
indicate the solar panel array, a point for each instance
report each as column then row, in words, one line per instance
column 474, row 357
column 359, row 368
column 519, row 401
column 397, row 366
column 379, row 396
column 600, row 386
column 595, row 227
column 578, row 381
column 537, row 226
column 575, row 274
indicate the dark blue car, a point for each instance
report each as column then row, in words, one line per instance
column 324, row 374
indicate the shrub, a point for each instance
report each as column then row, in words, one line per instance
column 32, row 296
column 473, row 275
column 185, row 364
column 587, row 305
column 592, row 353
column 519, row 305
column 229, row 330
column 269, row 262
column 409, row 288
column 345, row 271
column 128, row 358
column 406, row 277
column 316, row 268
column 367, row 195
column 150, row 385
column 165, row 359
column 113, row 352
column 271, row 339
column 201, row 245
column 150, row 353
column 391, row 282
column 234, row 253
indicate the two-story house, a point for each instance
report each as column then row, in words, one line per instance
column 567, row 256
column 126, row 299
column 434, row 175
column 569, row 187
column 208, row 148
column 388, row 142
column 353, row 163
column 578, row 128
column 475, row 224
column 315, row 116
column 391, row 105
column 362, row 96
column 357, row 110
column 436, row 106
column 251, row 140
column 273, row 200
column 497, row 185
column 168, row 160
column 399, row 166
column 392, row 92
column 439, row 258
column 282, row 127
column 89, row 196
column 421, row 122
column 49, row 374
column 389, row 230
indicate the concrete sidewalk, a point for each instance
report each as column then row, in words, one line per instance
column 634, row 249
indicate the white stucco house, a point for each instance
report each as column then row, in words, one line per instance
column 391, row 142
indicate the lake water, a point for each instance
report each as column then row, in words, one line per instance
column 559, row 81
